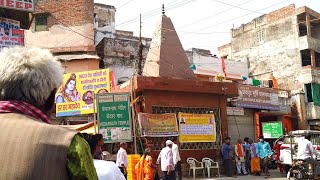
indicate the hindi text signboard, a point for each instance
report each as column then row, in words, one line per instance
column 258, row 98
column 10, row 33
column 114, row 117
column 197, row 127
column 272, row 129
column 76, row 95
column 158, row 125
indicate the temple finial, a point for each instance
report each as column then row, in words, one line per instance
column 163, row 11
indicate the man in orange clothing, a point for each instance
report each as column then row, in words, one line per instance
column 240, row 158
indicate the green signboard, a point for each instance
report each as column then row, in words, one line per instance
column 272, row 129
column 114, row 117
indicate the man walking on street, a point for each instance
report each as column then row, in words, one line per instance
column 166, row 160
column 226, row 153
column 29, row 80
column 122, row 159
column 176, row 157
column 264, row 151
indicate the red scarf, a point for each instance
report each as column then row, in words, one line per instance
column 23, row 108
column 239, row 150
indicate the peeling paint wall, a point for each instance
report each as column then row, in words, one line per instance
column 271, row 44
column 121, row 53
column 104, row 21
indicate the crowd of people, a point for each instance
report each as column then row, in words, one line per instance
column 250, row 157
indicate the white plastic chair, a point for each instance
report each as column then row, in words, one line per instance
column 195, row 165
column 210, row 164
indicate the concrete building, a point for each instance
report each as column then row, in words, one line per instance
column 117, row 48
column 207, row 66
column 284, row 43
column 67, row 29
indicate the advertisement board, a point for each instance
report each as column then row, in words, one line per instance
column 158, row 125
column 10, row 33
column 258, row 98
column 197, row 127
column 114, row 117
column 272, row 129
column 76, row 95
column 21, row 5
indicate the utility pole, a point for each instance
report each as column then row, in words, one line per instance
column 140, row 51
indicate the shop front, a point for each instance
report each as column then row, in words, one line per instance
column 272, row 112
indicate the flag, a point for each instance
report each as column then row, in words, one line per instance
column 224, row 67
column 193, row 67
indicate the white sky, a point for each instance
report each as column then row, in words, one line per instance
column 200, row 23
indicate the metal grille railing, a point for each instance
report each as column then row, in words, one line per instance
column 158, row 142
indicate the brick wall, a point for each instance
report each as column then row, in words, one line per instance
column 281, row 13
column 70, row 12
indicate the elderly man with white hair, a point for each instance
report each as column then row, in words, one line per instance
column 30, row 147
column 166, row 160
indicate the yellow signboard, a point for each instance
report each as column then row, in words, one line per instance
column 76, row 95
column 158, row 125
column 197, row 127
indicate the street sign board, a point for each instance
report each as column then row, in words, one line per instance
column 114, row 117
column 272, row 130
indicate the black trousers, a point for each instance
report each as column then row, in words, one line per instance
column 171, row 176
column 122, row 170
column 178, row 170
column 228, row 167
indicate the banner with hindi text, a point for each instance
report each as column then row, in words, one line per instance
column 197, row 127
column 158, row 125
column 76, row 95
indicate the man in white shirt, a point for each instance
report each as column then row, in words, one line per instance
column 122, row 158
column 176, row 157
column 305, row 152
column 166, row 159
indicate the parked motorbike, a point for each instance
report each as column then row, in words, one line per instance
column 301, row 170
column 272, row 164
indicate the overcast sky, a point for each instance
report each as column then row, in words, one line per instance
column 202, row 24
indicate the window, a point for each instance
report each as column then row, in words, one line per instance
column 302, row 29
column 308, row 91
column 260, row 36
column 313, row 93
column 41, row 23
column 305, row 57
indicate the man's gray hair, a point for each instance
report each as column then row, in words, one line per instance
column 29, row 75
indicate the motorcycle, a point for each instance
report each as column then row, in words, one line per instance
column 272, row 164
column 301, row 170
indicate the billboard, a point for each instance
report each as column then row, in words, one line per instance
column 197, row 127
column 25, row 5
column 76, row 95
column 258, row 98
column 158, row 125
column 114, row 117
column 10, row 33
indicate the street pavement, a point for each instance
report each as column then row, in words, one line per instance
column 275, row 175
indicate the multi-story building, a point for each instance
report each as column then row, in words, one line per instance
column 67, row 29
column 285, row 44
column 117, row 48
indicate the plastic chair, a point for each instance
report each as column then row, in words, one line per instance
column 195, row 165
column 210, row 164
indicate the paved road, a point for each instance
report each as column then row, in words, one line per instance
column 275, row 175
